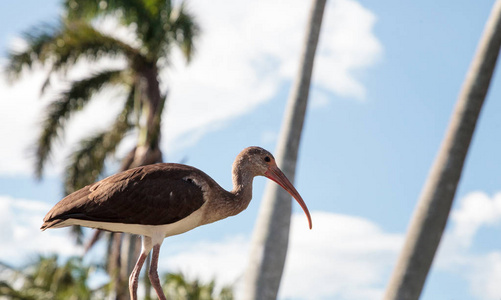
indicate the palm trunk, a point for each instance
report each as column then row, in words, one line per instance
column 114, row 266
column 432, row 211
column 271, row 234
column 146, row 152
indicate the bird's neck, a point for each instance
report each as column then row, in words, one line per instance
column 231, row 203
column 242, row 189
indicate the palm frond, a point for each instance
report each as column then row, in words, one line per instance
column 87, row 162
column 157, row 23
column 62, row 45
column 81, row 40
column 58, row 111
column 184, row 30
column 130, row 11
column 36, row 39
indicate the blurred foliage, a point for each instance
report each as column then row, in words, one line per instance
column 51, row 278
column 177, row 287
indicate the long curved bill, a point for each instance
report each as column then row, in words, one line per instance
column 278, row 176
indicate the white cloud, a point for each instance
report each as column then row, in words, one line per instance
column 475, row 210
column 20, row 234
column 19, row 112
column 343, row 257
column 206, row 260
column 21, row 115
column 459, row 250
column 347, row 45
column 347, row 257
column 484, row 275
column 249, row 48
column 247, row 51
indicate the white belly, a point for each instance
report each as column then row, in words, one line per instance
column 181, row 226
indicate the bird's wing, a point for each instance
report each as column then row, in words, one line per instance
column 150, row 195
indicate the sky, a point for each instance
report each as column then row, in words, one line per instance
column 386, row 78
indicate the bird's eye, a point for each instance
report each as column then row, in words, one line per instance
column 267, row 159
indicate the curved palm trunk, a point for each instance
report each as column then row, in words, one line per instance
column 271, row 234
column 432, row 211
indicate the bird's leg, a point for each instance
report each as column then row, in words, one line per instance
column 153, row 274
column 134, row 276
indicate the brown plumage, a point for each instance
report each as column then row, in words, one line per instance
column 161, row 200
column 135, row 197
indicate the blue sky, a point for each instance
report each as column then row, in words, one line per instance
column 385, row 82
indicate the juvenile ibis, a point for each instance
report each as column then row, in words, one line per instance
column 165, row 199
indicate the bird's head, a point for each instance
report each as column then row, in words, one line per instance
column 260, row 162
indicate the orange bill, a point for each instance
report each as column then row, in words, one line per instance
column 275, row 174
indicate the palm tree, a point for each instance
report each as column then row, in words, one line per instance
column 47, row 278
column 432, row 211
column 271, row 235
column 177, row 287
column 157, row 27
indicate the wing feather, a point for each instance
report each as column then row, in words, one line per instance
column 151, row 195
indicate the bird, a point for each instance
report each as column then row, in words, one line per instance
column 165, row 199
